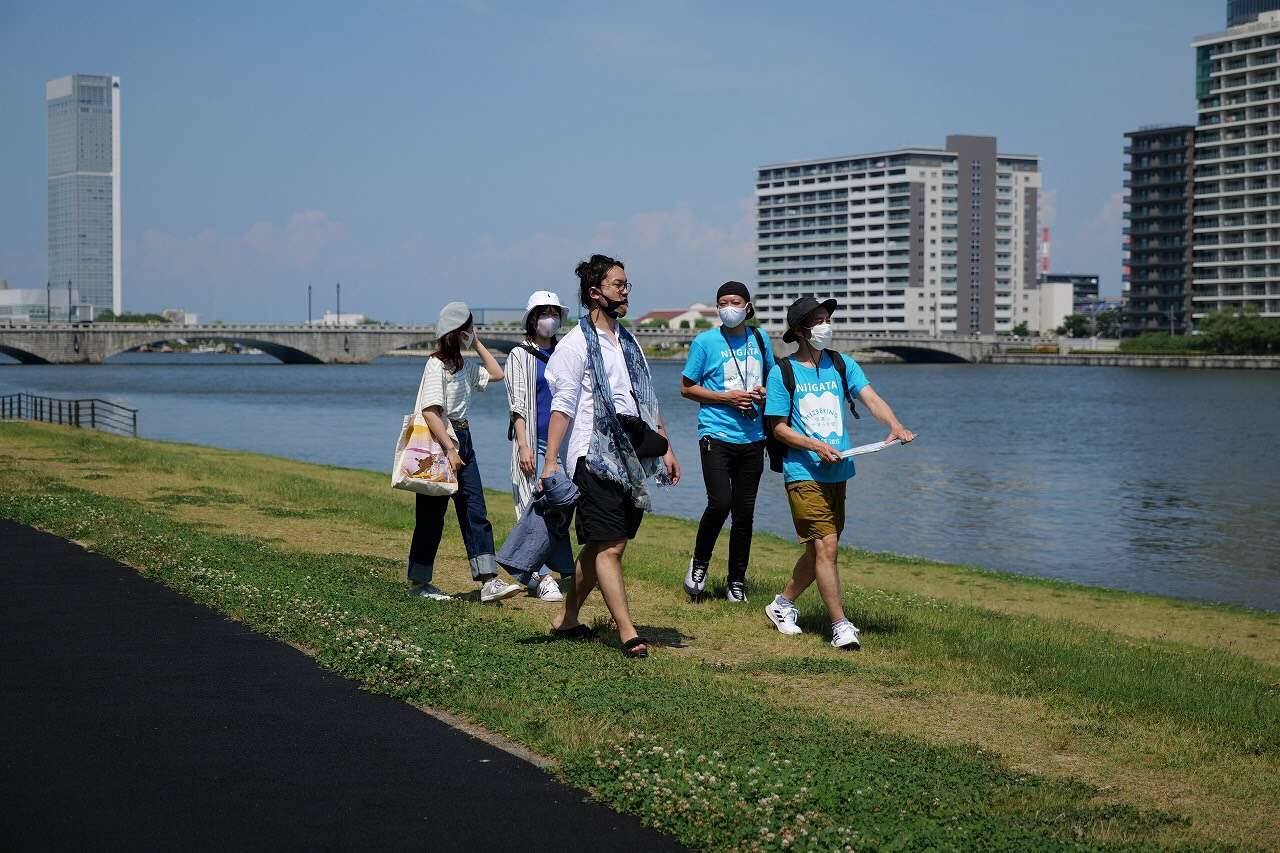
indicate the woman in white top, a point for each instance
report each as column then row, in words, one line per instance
column 444, row 398
column 530, row 397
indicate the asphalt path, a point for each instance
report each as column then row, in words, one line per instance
column 131, row 717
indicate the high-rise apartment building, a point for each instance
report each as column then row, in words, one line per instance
column 1243, row 11
column 926, row 240
column 1157, row 233
column 84, row 187
column 1236, row 214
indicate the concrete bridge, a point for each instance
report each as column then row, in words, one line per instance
column 94, row 343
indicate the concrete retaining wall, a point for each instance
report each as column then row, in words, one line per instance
column 1234, row 362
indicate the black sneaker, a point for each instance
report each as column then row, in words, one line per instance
column 695, row 580
column 736, row 591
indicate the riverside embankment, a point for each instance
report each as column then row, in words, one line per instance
column 986, row 709
column 1221, row 362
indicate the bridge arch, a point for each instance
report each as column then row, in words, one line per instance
column 21, row 355
column 923, row 355
column 285, row 354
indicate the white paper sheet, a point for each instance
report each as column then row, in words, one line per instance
column 868, row 448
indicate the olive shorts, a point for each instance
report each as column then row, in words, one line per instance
column 816, row 508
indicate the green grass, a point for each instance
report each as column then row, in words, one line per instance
column 728, row 737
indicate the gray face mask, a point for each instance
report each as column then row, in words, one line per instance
column 548, row 326
column 732, row 316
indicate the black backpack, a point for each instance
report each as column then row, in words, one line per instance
column 778, row 450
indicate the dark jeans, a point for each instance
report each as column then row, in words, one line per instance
column 477, row 533
column 732, row 474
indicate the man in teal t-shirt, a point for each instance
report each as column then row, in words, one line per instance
column 725, row 374
column 814, row 470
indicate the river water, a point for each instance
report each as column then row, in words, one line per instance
column 1163, row 481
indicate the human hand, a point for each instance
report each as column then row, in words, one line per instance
column 741, row 400
column 901, row 433
column 549, row 467
column 527, row 461
column 760, row 393
column 673, row 467
column 455, row 461
column 826, row 452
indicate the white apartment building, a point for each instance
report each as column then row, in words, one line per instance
column 1236, row 213
column 921, row 240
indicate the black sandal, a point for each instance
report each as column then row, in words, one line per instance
column 629, row 648
column 577, row 632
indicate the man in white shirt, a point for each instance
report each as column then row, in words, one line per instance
column 606, row 517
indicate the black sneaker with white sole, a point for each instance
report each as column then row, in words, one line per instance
column 695, row 579
column 736, row 591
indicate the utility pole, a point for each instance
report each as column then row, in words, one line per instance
column 308, row 303
column 68, row 300
column 339, row 318
column 48, row 303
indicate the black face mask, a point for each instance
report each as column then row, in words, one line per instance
column 611, row 306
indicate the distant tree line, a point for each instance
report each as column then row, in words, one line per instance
column 1229, row 332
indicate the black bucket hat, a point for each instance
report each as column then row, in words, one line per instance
column 802, row 308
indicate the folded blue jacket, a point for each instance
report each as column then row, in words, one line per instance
column 541, row 537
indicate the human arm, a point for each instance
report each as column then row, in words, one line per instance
column 519, row 400
column 880, row 411
column 792, row 438
column 673, row 464
column 431, row 396
column 490, row 363
column 556, row 430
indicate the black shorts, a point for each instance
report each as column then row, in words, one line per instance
column 605, row 511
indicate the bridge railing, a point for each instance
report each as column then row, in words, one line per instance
column 86, row 413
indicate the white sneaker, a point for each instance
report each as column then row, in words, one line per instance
column 496, row 590
column 549, row 590
column 783, row 618
column 845, row 636
column 428, row 590
column 695, row 580
column 736, row 591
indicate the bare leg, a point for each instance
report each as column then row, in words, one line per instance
column 828, row 547
column 609, row 576
column 802, row 575
column 584, row 580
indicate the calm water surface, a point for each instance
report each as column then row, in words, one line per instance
column 1164, row 481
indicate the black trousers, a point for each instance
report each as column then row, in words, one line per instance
column 732, row 475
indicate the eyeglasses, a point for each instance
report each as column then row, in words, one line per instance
column 621, row 287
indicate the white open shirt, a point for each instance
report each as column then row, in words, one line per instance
column 569, row 376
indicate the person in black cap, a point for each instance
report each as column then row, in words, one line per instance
column 725, row 373
column 805, row 413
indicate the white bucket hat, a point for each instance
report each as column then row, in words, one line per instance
column 539, row 298
column 452, row 317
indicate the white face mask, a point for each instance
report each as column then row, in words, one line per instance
column 732, row 316
column 468, row 338
column 548, row 326
column 820, row 336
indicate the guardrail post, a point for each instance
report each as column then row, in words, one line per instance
column 76, row 410
column 93, row 414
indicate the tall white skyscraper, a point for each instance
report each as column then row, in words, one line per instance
column 84, row 188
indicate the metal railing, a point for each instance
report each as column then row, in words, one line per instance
column 93, row 413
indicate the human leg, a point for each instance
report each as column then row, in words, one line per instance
column 473, row 515
column 748, row 467
column 428, row 528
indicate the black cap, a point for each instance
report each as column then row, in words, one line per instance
column 802, row 308
column 733, row 288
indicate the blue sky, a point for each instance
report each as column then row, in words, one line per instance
column 421, row 152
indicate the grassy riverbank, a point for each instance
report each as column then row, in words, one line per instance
column 986, row 710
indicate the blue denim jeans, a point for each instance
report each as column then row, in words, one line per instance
column 473, row 520
column 532, row 579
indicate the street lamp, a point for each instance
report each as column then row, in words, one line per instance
column 308, row 303
column 338, row 319
column 48, row 303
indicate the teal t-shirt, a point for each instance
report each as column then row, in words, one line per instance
column 818, row 410
column 734, row 363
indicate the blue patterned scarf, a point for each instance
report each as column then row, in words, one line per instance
column 610, row 454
